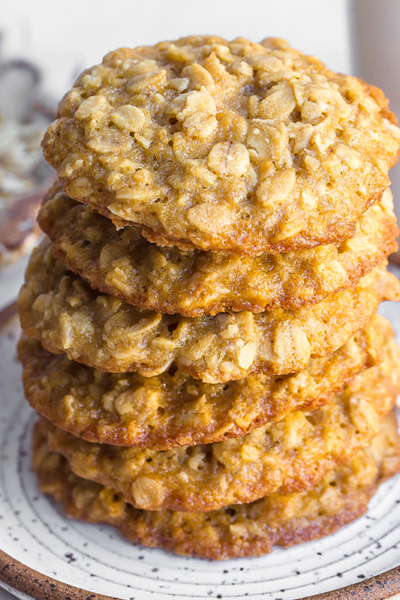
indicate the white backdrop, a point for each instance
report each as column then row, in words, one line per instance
column 66, row 36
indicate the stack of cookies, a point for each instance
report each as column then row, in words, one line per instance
column 204, row 349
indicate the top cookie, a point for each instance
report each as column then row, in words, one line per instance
column 231, row 146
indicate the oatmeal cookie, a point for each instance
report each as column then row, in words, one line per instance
column 173, row 409
column 64, row 312
column 125, row 265
column 239, row 530
column 290, row 455
column 218, row 145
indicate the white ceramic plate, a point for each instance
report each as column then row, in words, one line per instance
column 35, row 533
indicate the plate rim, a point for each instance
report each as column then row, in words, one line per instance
column 21, row 578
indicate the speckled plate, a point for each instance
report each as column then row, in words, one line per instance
column 45, row 555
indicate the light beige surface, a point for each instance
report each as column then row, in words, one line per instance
column 376, row 48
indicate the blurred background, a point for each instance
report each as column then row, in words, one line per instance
column 63, row 38
column 45, row 44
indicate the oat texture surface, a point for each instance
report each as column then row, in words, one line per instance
column 67, row 315
column 173, row 409
column 219, row 145
column 289, row 455
column 125, row 265
column 239, row 530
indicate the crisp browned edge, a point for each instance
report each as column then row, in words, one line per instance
column 23, row 579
